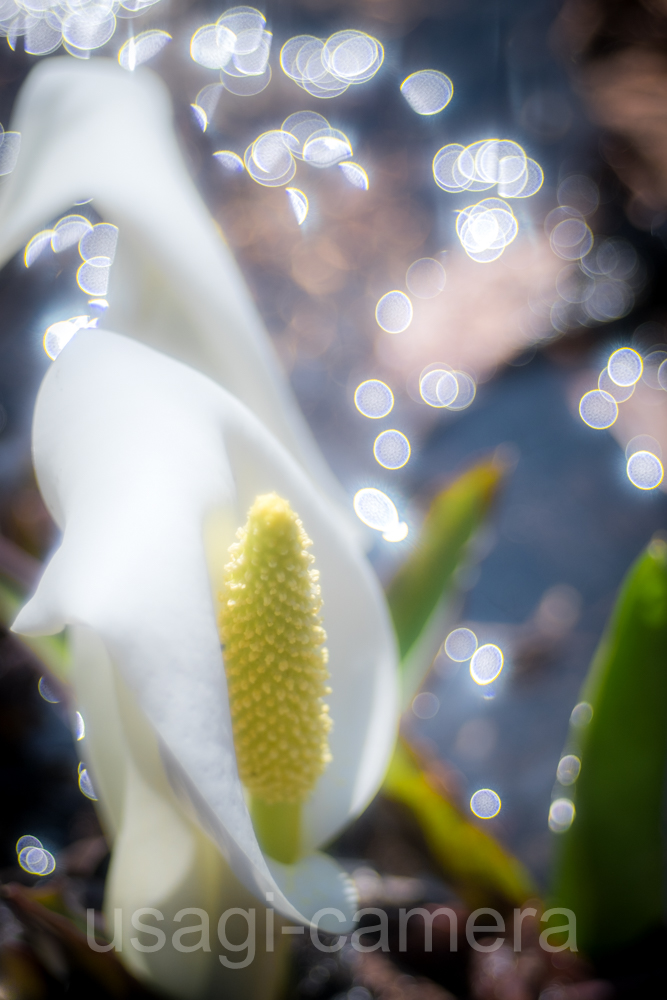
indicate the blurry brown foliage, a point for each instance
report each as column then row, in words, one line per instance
column 620, row 51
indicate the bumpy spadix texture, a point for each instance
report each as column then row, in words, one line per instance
column 274, row 655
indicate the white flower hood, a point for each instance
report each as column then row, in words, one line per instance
column 144, row 464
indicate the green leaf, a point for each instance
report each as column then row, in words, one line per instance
column 51, row 650
column 482, row 872
column 453, row 518
column 610, row 869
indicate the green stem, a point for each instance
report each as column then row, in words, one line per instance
column 278, row 828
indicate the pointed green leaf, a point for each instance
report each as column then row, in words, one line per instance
column 453, row 518
column 610, row 870
column 478, row 867
column 481, row 871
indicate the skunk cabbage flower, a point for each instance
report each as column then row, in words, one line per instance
column 149, row 468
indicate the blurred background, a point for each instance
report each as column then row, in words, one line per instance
column 581, row 87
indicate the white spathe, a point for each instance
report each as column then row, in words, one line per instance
column 91, row 129
column 148, row 468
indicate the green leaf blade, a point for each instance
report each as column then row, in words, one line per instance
column 480, row 869
column 453, row 518
column 610, row 869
